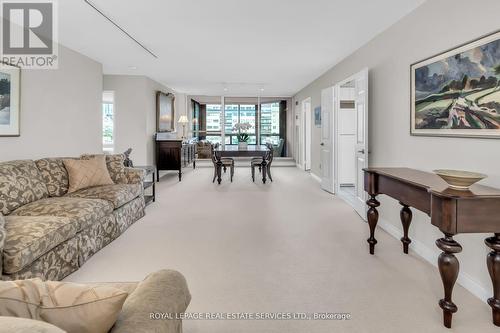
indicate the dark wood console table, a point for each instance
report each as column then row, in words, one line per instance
column 452, row 211
column 174, row 155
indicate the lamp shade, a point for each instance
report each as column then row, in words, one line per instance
column 183, row 120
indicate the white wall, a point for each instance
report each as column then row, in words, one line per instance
column 432, row 28
column 60, row 110
column 135, row 114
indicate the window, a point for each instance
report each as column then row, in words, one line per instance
column 108, row 125
column 270, row 123
column 214, row 129
column 239, row 113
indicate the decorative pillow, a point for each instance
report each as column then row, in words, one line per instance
column 54, row 175
column 20, row 184
column 87, row 173
column 115, row 165
column 73, row 307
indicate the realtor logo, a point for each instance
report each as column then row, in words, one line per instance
column 29, row 34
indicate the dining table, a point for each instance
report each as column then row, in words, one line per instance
column 236, row 151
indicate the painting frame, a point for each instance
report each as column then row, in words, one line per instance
column 13, row 129
column 452, row 52
column 165, row 119
column 317, row 116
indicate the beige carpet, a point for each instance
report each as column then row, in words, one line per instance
column 280, row 247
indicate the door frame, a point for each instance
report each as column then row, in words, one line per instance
column 336, row 109
column 306, row 133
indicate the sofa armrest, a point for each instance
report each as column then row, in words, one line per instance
column 134, row 175
column 3, row 235
column 162, row 293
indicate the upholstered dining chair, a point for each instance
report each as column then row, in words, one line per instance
column 258, row 161
column 227, row 162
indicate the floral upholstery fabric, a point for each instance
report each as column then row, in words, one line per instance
column 117, row 194
column 20, row 184
column 54, row 265
column 83, row 211
column 3, row 235
column 115, row 166
column 134, row 175
column 54, row 175
column 96, row 237
column 30, row 237
column 128, row 214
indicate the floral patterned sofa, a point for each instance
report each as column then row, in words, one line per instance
column 46, row 232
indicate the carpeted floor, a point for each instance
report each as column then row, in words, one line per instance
column 280, row 247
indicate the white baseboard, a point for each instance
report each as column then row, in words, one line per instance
column 431, row 255
column 316, row 177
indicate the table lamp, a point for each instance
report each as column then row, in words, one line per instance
column 183, row 120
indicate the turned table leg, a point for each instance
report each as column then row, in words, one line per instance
column 493, row 261
column 448, row 268
column 406, row 217
column 372, row 216
column 219, row 169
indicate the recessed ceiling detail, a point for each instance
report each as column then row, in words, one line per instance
column 204, row 45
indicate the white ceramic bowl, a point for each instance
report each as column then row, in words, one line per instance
column 459, row 180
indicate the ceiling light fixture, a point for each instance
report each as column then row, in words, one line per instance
column 120, row 28
column 132, row 67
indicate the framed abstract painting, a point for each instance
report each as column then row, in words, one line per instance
column 457, row 93
column 10, row 85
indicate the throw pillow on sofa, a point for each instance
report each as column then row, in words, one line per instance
column 87, row 173
column 73, row 307
column 115, row 164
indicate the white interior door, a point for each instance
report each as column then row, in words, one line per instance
column 307, row 135
column 326, row 150
column 361, row 139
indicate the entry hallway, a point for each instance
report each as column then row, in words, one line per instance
column 286, row 246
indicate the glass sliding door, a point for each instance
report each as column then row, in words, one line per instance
column 270, row 123
column 240, row 110
column 214, row 123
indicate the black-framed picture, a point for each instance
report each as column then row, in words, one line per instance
column 317, row 116
column 165, row 112
column 10, row 96
column 457, row 93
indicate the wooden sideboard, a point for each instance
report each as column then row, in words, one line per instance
column 452, row 211
column 174, row 155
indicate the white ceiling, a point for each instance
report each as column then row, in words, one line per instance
column 243, row 46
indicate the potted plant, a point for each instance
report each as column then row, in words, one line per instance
column 242, row 136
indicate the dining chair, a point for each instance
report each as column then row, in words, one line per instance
column 258, row 161
column 226, row 162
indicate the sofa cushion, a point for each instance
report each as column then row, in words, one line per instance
column 3, row 235
column 83, row 211
column 29, row 237
column 117, row 194
column 165, row 291
column 115, row 165
column 87, row 173
column 20, row 184
column 54, row 175
column 23, row 325
column 73, row 307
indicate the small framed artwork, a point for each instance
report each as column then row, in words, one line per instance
column 10, row 86
column 317, row 116
column 457, row 93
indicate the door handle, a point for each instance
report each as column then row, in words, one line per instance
column 362, row 151
column 322, row 144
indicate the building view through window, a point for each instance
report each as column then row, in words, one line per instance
column 270, row 123
column 218, row 121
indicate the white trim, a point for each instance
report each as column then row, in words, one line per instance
column 431, row 256
column 315, row 177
